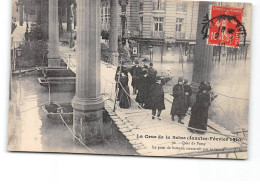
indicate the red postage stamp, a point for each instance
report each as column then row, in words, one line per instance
column 225, row 26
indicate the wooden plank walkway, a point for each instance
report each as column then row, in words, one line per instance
column 160, row 137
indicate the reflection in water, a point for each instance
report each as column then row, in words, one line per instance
column 35, row 132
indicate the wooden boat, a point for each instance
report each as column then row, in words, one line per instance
column 55, row 72
column 54, row 110
column 58, row 83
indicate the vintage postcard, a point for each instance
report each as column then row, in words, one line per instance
column 130, row 77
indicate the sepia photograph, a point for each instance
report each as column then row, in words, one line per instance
column 153, row 78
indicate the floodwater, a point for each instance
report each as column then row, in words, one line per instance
column 33, row 131
column 229, row 78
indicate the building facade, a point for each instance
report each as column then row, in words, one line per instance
column 167, row 26
column 164, row 24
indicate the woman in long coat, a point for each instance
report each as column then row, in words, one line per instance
column 117, row 86
column 157, row 98
column 199, row 111
column 124, row 92
column 178, row 107
column 143, row 89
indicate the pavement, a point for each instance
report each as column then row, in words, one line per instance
column 162, row 137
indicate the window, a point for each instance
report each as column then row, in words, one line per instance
column 158, row 24
column 102, row 10
column 107, row 8
column 179, row 22
column 141, row 6
column 181, row 7
column 105, row 15
column 123, row 8
column 158, row 5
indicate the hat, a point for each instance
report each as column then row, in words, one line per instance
column 136, row 62
column 208, row 86
column 204, row 86
column 125, row 72
column 180, row 79
column 144, row 71
column 158, row 78
column 124, row 69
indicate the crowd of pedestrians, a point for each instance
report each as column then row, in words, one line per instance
column 148, row 88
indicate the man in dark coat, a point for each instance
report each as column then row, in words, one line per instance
column 199, row 111
column 188, row 93
column 136, row 73
column 152, row 73
column 143, row 89
column 157, row 98
column 178, row 101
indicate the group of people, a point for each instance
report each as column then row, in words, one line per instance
column 199, row 112
column 148, row 87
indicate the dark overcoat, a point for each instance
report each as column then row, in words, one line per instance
column 143, row 89
column 156, row 100
column 178, row 107
column 187, row 89
column 199, row 111
column 136, row 73
column 152, row 74
column 123, row 95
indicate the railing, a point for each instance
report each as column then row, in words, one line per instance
column 159, row 5
column 158, row 34
column 180, row 35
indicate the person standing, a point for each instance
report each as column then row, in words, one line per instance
column 178, row 101
column 152, row 73
column 199, row 112
column 122, row 68
column 188, row 93
column 136, row 73
column 144, row 66
column 143, row 89
column 124, row 92
column 157, row 98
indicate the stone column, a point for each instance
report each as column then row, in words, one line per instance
column 69, row 14
column 75, row 15
column 21, row 14
column 203, row 52
column 60, row 21
column 44, row 17
column 54, row 54
column 113, row 37
column 88, row 103
column 38, row 10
